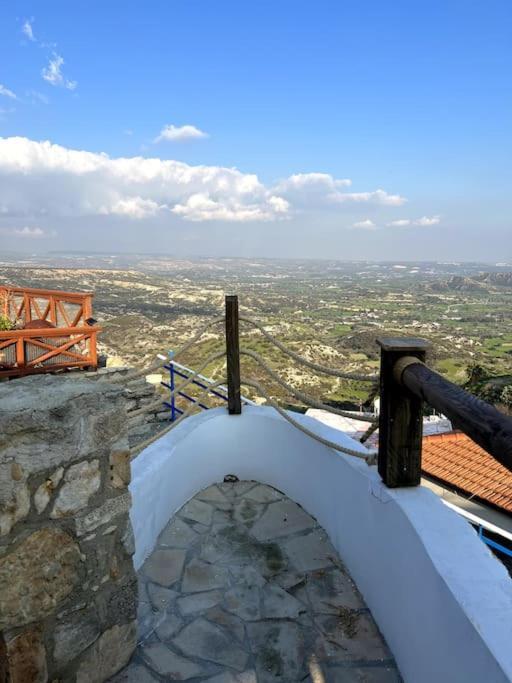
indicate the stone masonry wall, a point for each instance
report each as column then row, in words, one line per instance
column 138, row 394
column 68, row 590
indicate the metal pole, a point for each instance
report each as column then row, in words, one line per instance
column 171, row 382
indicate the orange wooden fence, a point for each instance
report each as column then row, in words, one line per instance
column 66, row 337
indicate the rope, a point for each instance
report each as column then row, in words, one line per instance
column 151, row 407
column 299, row 394
column 135, row 450
column 198, row 336
column 144, row 444
column 373, row 393
column 372, row 428
column 369, row 458
column 192, row 377
column 307, row 363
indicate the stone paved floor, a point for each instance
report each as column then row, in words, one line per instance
column 245, row 587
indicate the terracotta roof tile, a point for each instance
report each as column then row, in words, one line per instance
column 456, row 460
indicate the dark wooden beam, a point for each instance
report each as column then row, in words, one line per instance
column 401, row 416
column 482, row 422
column 233, row 356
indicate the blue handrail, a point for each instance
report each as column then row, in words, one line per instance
column 492, row 544
column 173, row 371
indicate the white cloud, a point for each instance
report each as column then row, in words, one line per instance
column 201, row 207
column 322, row 181
column 27, row 29
column 367, row 224
column 321, row 189
column 133, row 207
column 7, row 93
column 53, row 73
column 375, row 197
column 172, row 133
column 27, row 232
column 40, row 177
column 423, row 221
column 402, row 223
column 37, row 97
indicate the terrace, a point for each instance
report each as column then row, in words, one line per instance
column 370, row 576
column 269, row 547
column 48, row 331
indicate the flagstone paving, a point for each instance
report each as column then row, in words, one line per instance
column 245, row 587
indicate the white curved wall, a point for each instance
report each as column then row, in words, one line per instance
column 442, row 601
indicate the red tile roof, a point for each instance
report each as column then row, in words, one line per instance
column 456, row 460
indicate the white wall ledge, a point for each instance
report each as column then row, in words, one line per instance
column 441, row 599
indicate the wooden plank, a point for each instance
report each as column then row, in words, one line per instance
column 48, row 332
column 401, row 417
column 93, row 350
column 36, row 308
column 28, row 370
column 482, row 422
column 47, row 311
column 79, row 316
column 63, row 313
column 233, row 356
column 56, row 350
column 72, row 296
column 20, row 353
column 27, row 307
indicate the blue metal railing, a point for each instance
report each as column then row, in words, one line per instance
column 493, row 544
column 177, row 370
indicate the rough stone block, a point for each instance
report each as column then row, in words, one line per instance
column 37, row 575
column 44, row 492
column 25, row 657
column 111, row 651
column 14, row 496
column 73, row 635
column 104, row 514
column 81, row 481
column 120, row 470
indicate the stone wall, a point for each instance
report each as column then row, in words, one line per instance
column 68, row 590
column 138, row 393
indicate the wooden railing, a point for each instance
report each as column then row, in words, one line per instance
column 62, row 333
column 405, row 384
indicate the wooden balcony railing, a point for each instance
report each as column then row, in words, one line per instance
column 54, row 330
column 405, row 384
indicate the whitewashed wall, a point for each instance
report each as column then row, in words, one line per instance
column 442, row 601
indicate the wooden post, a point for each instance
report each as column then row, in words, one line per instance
column 53, row 310
column 233, row 356
column 401, row 416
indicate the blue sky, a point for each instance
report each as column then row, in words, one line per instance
column 411, row 98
